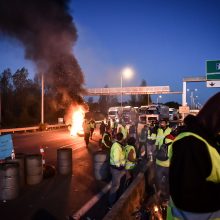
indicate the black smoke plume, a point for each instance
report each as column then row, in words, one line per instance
column 48, row 34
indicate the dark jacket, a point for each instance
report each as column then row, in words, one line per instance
column 191, row 164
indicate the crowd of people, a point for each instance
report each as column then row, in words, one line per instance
column 186, row 161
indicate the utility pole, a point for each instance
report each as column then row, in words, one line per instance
column 42, row 98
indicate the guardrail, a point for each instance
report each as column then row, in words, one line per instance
column 34, row 128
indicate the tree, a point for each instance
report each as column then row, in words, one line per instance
column 173, row 105
column 144, row 99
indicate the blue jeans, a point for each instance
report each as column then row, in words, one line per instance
column 117, row 183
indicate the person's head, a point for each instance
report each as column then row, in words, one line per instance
column 163, row 124
column 131, row 141
column 151, row 125
column 209, row 115
column 119, row 136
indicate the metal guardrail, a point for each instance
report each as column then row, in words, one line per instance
column 35, row 128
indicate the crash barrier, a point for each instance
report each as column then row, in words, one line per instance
column 34, row 169
column 9, row 181
column 19, row 158
column 101, row 165
column 130, row 201
column 35, row 128
column 64, row 161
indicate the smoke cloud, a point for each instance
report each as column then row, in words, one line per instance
column 48, row 34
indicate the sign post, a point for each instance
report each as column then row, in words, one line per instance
column 213, row 73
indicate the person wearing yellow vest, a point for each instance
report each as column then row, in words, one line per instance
column 195, row 166
column 162, row 167
column 117, row 169
column 123, row 129
column 106, row 141
column 130, row 160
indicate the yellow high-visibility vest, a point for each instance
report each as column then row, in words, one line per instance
column 117, row 155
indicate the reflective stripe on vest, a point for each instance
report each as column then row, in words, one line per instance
column 128, row 164
column 174, row 213
column 214, row 155
column 117, row 156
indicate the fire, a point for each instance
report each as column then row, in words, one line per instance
column 74, row 118
column 77, row 120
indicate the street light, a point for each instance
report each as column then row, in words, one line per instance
column 159, row 97
column 126, row 73
column 192, row 100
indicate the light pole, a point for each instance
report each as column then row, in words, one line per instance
column 159, row 97
column 42, row 98
column 192, row 101
column 127, row 73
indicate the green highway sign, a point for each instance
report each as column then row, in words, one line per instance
column 213, row 70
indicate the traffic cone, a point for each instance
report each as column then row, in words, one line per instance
column 43, row 155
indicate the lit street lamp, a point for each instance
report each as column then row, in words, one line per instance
column 192, row 99
column 159, row 97
column 126, row 73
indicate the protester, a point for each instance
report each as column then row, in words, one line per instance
column 92, row 127
column 132, row 130
column 162, row 166
column 123, row 129
column 195, row 166
column 151, row 139
column 143, row 141
column 130, row 160
column 106, row 141
column 86, row 129
column 114, row 127
column 102, row 128
column 117, row 169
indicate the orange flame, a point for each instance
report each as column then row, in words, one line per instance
column 77, row 120
column 74, row 118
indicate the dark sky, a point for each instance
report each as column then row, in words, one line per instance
column 163, row 40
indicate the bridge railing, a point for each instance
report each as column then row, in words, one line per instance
column 34, row 128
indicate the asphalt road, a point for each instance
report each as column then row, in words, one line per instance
column 59, row 196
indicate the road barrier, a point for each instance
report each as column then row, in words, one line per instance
column 64, row 161
column 101, row 165
column 35, row 128
column 19, row 158
column 34, row 169
column 130, row 201
column 9, row 181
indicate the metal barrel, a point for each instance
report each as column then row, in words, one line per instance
column 101, row 165
column 34, row 169
column 19, row 158
column 9, row 181
column 64, row 161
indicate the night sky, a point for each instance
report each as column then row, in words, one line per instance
column 163, row 40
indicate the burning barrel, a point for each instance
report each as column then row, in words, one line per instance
column 101, row 165
column 34, row 169
column 64, row 161
column 9, row 181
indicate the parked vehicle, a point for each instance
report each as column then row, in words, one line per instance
column 129, row 115
column 115, row 113
column 153, row 113
column 173, row 114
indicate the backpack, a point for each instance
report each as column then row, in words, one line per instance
column 162, row 153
